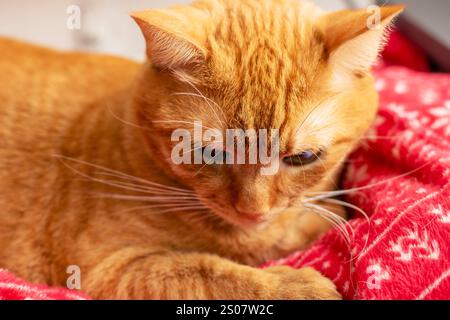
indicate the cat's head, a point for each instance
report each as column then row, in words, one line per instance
column 258, row 64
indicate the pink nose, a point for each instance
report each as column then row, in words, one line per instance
column 254, row 215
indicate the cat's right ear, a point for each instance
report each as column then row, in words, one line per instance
column 173, row 40
column 354, row 38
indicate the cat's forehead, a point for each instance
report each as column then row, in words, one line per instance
column 266, row 59
column 252, row 37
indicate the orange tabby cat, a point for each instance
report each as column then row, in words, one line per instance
column 86, row 176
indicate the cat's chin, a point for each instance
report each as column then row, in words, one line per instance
column 251, row 223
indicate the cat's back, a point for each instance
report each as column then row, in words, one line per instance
column 35, row 78
column 42, row 89
column 43, row 92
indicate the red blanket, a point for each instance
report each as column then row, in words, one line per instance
column 12, row 288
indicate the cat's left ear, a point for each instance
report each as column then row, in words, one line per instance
column 354, row 38
column 174, row 37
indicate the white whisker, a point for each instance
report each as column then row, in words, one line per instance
column 195, row 95
column 115, row 116
column 207, row 163
column 147, row 189
column 198, row 207
column 180, row 121
column 171, row 199
column 206, row 99
column 114, row 172
column 361, row 211
column 379, row 137
column 330, row 194
column 349, row 205
column 155, row 206
column 336, row 220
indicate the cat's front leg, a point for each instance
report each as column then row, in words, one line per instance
column 200, row 276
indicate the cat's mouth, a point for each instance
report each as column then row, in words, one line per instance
column 244, row 220
column 249, row 220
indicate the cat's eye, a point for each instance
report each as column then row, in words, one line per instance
column 304, row 158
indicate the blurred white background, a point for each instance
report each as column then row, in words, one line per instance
column 105, row 24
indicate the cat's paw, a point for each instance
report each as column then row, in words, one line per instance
column 303, row 284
